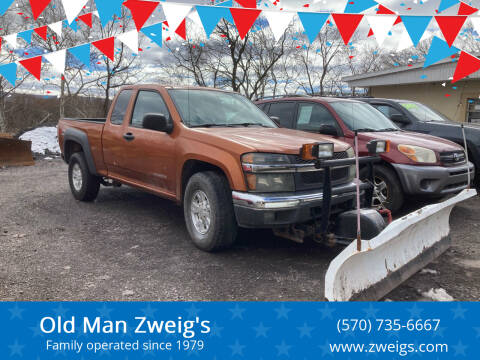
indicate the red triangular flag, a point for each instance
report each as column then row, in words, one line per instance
column 182, row 30
column 1, row 44
column 347, row 24
column 250, row 4
column 33, row 65
column 398, row 21
column 87, row 19
column 450, row 26
column 106, row 46
column 466, row 65
column 42, row 32
column 244, row 19
column 141, row 11
column 38, row 6
column 383, row 10
column 370, row 33
column 465, row 9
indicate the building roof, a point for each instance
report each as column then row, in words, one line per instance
column 410, row 74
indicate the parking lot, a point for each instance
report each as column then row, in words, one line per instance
column 130, row 245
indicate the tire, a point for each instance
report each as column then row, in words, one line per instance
column 386, row 181
column 213, row 226
column 84, row 186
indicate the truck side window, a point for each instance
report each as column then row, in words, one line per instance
column 148, row 102
column 120, row 108
column 285, row 111
column 312, row 116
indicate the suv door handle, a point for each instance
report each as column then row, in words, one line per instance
column 128, row 136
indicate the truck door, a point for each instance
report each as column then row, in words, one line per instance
column 148, row 156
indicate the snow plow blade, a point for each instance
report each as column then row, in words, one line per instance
column 14, row 152
column 399, row 251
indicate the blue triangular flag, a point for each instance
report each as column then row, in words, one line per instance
column 5, row 5
column 416, row 26
column 107, row 8
column 312, row 23
column 439, row 50
column 9, row 72
column 154, row 32
column 357, row 6
column 82, row 53
column 227, row 4
column 445, row 4
column 210, row 16
column 73, row 25
column 26, row 35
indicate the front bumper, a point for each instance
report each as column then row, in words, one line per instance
column 434, row 180
column 270, row 210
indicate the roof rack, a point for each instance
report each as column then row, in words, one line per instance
column 281, row 96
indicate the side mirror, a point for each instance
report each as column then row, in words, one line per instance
column 399, row 118
column 328, row 130
column 276, row 120
column 157, row 122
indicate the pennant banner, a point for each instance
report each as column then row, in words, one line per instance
column 439, row 50
column 312, row 23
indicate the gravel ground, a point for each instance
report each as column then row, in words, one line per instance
column 129, row 245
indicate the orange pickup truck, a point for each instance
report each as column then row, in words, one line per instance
column 222, row 158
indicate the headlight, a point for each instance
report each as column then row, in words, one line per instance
column 418, row 154
column 351, row 168
column 267, row 182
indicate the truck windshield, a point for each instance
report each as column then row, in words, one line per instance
column 204, row 108
column 422, row 112
column 362, row 117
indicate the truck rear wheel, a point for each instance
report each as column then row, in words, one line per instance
column 208, row 210
column 84, row 186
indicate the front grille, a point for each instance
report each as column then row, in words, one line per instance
column 314, row 179
column 296, row 159
column 452, row 157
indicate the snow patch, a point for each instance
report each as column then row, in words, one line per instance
column 44, row 140
column 428, row 271
column 438, row 295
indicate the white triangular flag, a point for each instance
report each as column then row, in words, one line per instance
column 175, row 13
column 57, row 59
column 405, row 41
column 72, row 8
column 11, row 40
column 381, row 25
column 476, row 23
column 278, row 21
column 130, row 39
column 57, row 27
column 195, row 18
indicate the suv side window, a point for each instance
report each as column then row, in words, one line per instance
column 285, row 111
column 121, row 105
column 387, row 110
column 311, row 116
column 148, row 102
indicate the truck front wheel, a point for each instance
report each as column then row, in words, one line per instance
column 209, row 213
column 84, row 186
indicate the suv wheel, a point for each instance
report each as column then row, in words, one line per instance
column 208, row 211
column 388, row 191
column 84, row 186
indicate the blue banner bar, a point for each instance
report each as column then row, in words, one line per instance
column 239, row 330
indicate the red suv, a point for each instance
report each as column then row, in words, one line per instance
column 417, row 164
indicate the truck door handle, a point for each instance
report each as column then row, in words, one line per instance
column 128, row 136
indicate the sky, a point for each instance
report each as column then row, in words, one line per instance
column 152, row 55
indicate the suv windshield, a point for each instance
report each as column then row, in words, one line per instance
column 362, row 117
column 204, row 108
column 422, row 112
